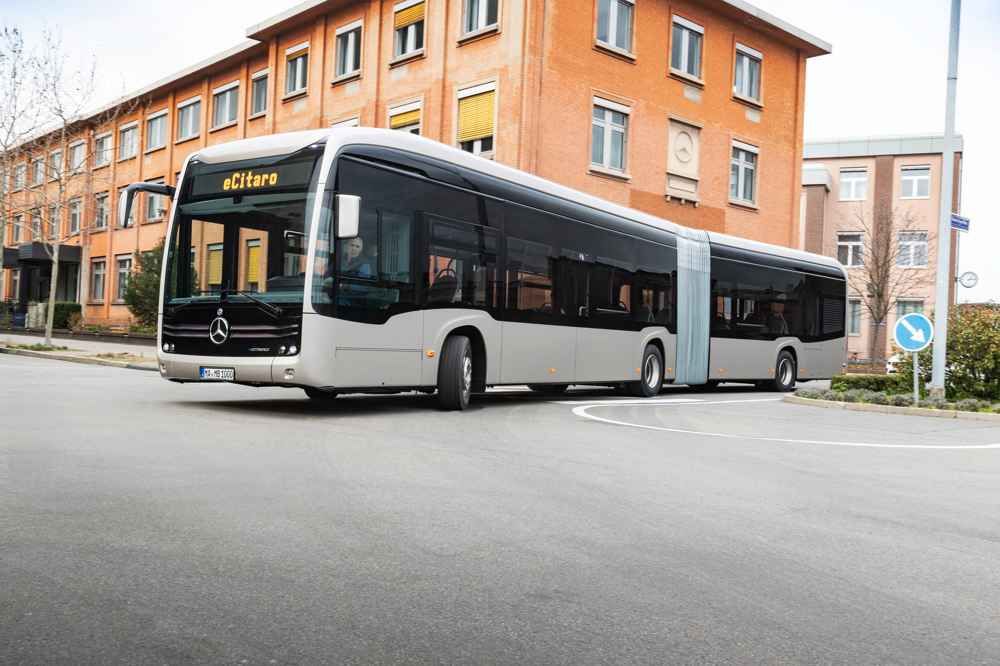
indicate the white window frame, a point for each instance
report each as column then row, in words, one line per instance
column 20, row 182
column 753, row 54
column 851, row 193
column 853, row 303
column 181, row 108
column 15, row 234
column 75, row 209
column 418, row 105
column 613, row 27
column 689, row 27
column 481, row 17
column 914, row 180
column 354, row 33
column 128, row 127
column 235, row 103
column 54, row 222
column 742, row 166
column 91, row 296
column 409, row 40
column 609, row 129
column 101, row 221
column 906, row 254
column 292, row 54
column 163, row 133
column 910, row 310
column 55, row 171
column 128, row 222
column 108, row 154
column 151, row 199
column 347, row 122
column 254, row 79
column 120, row 285
column 38, row 175
column 80, row 145
column 855, row 249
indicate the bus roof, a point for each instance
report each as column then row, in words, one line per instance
column 278, row 144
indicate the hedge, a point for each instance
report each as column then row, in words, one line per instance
column 63, row 311
column 883, row 383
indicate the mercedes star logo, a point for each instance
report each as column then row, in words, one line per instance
column 218, row 330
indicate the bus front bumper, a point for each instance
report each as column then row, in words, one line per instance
column 262, row 370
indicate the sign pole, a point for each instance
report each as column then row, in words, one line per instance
column 916, row 378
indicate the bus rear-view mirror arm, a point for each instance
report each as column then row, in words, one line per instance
column 348, row 215
column 128, row 195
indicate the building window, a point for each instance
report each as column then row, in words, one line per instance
column 614, row 23
column 128, row 141
column 479, row 15
column 853, row 184
column 53, row 222
column 743, row 174
column 36, row 225
column 350, row 122
column 348, row 50
column 15, row 233
column 55, row 164
column 156, row 131
column 77, row 156
column 20, row 175
column 101, row 211
column 850, row 249
column 224, row 101
column 912, row 251
column 905, row 307
column 156, row 204
column 189, row 119
column 102, row 150
column 685, row 47
column 37, row 172
column 915, row 182
column 476, row 118
column 297, row 69
column 214, row 259
column 124, row 270
column 405, row 118
column 124, row 224
column 258, row 94
column 97, row 280
column 683, row 158
column 854, row 317
column 75, row 212
column 15, row 283
column 408, row 23
column 746, row 82
column 609, row 135
column 252, row 277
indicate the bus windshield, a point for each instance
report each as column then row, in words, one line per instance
column 241, row 228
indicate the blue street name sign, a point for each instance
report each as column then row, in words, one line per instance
column 960, row 223
column 913, row 332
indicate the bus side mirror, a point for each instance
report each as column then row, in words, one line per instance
column 348, row 215
column 125, row 198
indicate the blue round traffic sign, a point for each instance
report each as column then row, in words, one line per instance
column 913, row 332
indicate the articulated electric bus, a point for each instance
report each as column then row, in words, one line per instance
column 366, row 260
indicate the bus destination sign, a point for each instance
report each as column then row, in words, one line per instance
column 294, row 175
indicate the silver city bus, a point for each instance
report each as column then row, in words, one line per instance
column 366, row 260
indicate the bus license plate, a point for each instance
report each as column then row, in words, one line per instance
column 218, row 374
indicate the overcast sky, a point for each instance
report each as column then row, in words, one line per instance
column 886, row 74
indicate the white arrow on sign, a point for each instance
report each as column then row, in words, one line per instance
column 916, row 334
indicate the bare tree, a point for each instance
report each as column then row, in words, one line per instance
column 884, row 274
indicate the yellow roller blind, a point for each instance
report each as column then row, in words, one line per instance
column 409, row 16
column 215, row 265
column 253, row 262
column 404, row 119
column 475, row 116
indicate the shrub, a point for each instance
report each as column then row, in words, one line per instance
column 62, row 312
column 142, row 296
column 901, row 400
column 972, row 405
column 934, row 403
column 837, row 396
column 75, row 322
column 878, row 398
column 812, row 394
column 886, row 383
column 854, row 395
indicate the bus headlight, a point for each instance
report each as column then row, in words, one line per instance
column 293, row 350
column 168, row 347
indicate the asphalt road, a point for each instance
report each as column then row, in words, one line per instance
column 146, row 522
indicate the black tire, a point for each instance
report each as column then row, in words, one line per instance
column 549, row 389
column 785, row 371
column 319, row 395
column 711, row 385
column 455, row 373
column 652, row 374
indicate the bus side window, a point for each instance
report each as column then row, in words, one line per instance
column 462, row 264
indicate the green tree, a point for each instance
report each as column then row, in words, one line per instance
column 143, row 292
column 973, row 369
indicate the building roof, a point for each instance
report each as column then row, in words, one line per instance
column 874, row 146
column 812, row 45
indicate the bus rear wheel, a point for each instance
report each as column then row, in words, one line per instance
column 652, row 374
column 319, row 395
column 455, row 373
column 784, row 374
column 549, row 389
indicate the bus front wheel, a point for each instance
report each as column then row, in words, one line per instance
column 784, row 374
column 652, row 374
column 319, row 395
column 455, row 373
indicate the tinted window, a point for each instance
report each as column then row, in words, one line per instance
column 462, row 264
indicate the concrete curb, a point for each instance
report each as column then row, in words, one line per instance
column 891, row 409
column 86, row 360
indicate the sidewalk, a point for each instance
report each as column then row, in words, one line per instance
column 116, row 354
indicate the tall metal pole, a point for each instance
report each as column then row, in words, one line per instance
column 944, row 273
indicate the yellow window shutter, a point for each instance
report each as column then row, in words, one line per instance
column 475, row 116
column 215, row 265
column 404, row 119
column 253, row 263
column 409, row 16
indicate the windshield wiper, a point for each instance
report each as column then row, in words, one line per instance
column 269, row 308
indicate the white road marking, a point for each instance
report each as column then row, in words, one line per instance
column 582, row 411
column 626, row 401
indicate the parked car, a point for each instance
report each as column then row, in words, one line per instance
column 892, row 364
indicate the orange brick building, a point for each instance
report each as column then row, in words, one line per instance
column 691, row 110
